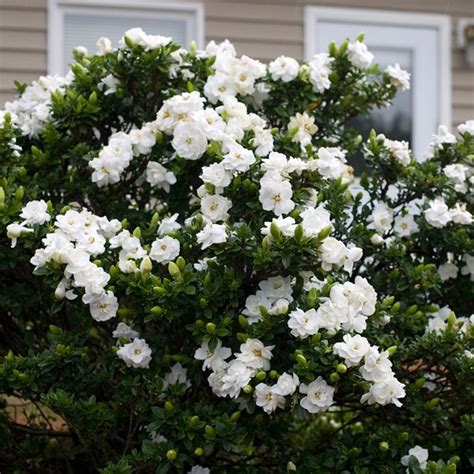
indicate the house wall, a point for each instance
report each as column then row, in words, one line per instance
column 262, row 29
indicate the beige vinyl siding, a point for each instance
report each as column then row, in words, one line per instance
column 262, row 29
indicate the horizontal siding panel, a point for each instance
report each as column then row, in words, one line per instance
column 462, row 115
column 463, row 79
column 21, row 19
column 254, row 31
column 254, row 11
column 463, row 98
column 260, row 50
column 22, row 61
column 25, row 4
column 4, row 97
column 7, row 78
column 433, row 6
column 23, row 40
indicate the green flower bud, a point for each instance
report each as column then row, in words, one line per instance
column 275, row 231
column 261, row 375
column 194, row 420
column 198, row 451
column 181, row 263
column 392, row 350
column 137, row 232
column 211, row 328
column 210, row 431
column 235, row 416
column 334, row 377
column 243, row 321
column 341, row 368
column 404, row 436
column 174, row 270
column 451, row 320
column 159, row 290
column 301, row 359
column 388, row 301
column 273, row 374
column 19, row 193
column 384, row 446
column 395, row 308
column 171, row 455
column 169, row 407
column 299, row 233
column 290, row 466
column 412, row 309
column 248, row 389
column 156, row 310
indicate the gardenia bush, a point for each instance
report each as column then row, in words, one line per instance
column 193, row 280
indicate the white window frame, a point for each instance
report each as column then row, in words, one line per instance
column 192, row 13
column 442, row 23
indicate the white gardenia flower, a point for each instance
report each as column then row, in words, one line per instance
column 286, row 384
column 255, row 355
column 262, row 141
column 199, row 470
column 359, row 55
column 275, row 194
column 334, row 252
column 287, row 226
column 104, row 45
column 400, row 150
column 277, row 287
column 109, row 84
column 460, row 215
column 284, row 69
column 123, row 330
column 437, row 214
column 266, row 398
column 215, row 207
column 14, row 231
column 213, row 359
column 177, row 374
column 303, row 323
column 35, row 212
column 468, row 269
column 216, row 174
column 211, row 234
column 467, row 127
column 305, row 128
column 165, row 249
column 421, row 454
column 398, row 76
column 382, row 218
column 319, row 396
column 319, row 70
column 330, row 163
column 238, row 159
column 377, row 366
column 405, row 225
column 314, row 220
column 189, row 141
column 231, row 380
column 157, row 175
column 169, row 224
column 387, row 391
column 352, row 350
column 448, row 270
column 456, row 172
column 136, row 354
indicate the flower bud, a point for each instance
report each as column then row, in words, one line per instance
column 210, row 431
column 301, row 359
column 235, row 416
column 260, row 375
column 174, row 270
column 194, row 420
column 248, row 389
column 198, row 451
column 376, row 239
column 290, row 466
column 341, row 368
column 171, row 455
column 384, row 446
column 211, row 328
column 169, row 407
column 334, row 377
column 146, row 265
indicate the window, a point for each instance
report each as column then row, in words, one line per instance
column 82, row 22
column 419, row 43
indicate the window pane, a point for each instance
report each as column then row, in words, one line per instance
column 85, row 29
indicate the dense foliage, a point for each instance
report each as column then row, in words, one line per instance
column 192, row 280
